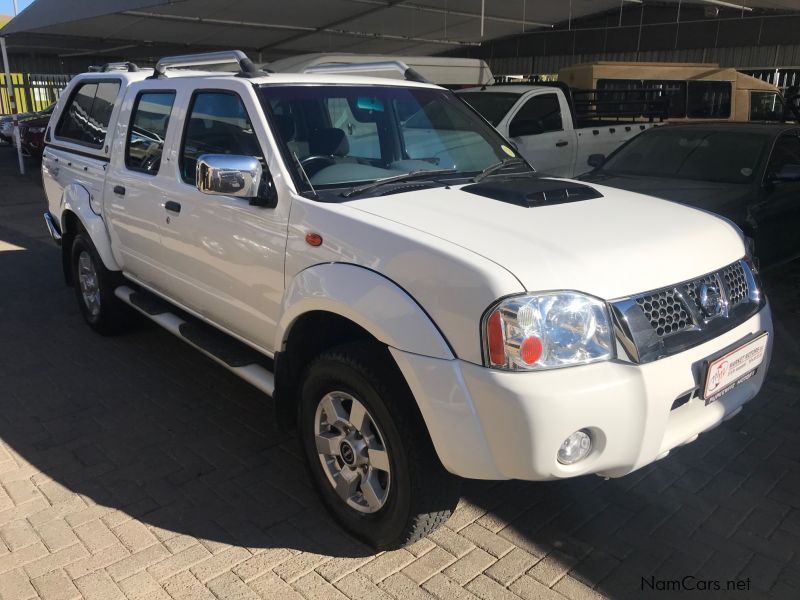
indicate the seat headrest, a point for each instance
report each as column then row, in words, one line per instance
column 329, row 142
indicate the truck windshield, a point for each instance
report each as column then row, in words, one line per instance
column 347, row 135
column 702, row 154
column 493, row 106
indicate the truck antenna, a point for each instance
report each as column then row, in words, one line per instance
column 307, row 178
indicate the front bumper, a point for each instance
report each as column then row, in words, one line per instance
column 490, row 424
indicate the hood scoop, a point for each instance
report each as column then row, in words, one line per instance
column 530, row 192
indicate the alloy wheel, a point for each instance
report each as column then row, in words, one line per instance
column 352, row 452
column 90, row 285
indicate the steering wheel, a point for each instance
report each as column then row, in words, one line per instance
column 308, row 160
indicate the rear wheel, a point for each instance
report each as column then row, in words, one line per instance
column 94, row 289
column 368, row 450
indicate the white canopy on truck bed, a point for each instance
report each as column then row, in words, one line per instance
column 442, row 70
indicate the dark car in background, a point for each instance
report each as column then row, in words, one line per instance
column 31, row 133
column 747, row 172
column 7, row 126
column 30, row 120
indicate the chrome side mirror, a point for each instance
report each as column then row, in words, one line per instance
column 229, row 175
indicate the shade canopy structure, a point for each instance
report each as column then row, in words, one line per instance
column 272, row 29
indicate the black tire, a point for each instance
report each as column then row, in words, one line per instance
column 111, row 315
column 422, row 494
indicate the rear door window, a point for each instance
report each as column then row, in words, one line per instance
column 147, row 131
column 88, row 112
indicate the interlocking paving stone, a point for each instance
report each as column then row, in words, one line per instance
column 148, row 481
column 387, row 564
column 314, row 587
column 270, row 585
column 18, row 534
column 488, row 589
column 404, row 588
column 229, row 587
column 16, row 585
column 55, row 585
column 98, row 586
column 176, row 563
column 93, row 563
column 130, row 565
column 359, row 587
column 511, row 566
column 429, row 564
column 185, row 586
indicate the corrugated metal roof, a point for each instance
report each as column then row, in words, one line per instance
column 272, row 29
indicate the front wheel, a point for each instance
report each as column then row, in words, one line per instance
column 368, row 450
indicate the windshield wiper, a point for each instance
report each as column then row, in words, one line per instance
column 506, row 162
column 420, row 174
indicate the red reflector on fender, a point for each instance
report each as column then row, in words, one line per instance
column 494, row 337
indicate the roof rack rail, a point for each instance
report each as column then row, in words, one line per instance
column 115, row 66
column 409, row 74
column 246, row 66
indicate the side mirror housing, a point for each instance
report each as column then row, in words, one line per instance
column 232, row 175
column 596, row 160
column 787, row 173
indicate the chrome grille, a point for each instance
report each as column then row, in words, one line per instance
column 672, row 310
column 665, row 311
column 691, row 289
column 736, row 282
column 663, row 322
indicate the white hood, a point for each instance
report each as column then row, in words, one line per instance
column 611, row 247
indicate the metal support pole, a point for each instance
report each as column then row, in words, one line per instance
column 483, row 15
column 12, row 101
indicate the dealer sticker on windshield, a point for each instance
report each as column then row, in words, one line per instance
column 735, row 367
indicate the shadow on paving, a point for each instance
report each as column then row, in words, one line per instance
column 145, row 424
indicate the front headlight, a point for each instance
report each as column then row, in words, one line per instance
column 37, row 129
column 546, row 331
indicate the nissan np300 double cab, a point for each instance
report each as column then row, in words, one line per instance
column 418, row 302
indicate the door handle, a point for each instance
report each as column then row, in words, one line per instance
column 172, row 206
column 561, row 143
column 119, row 190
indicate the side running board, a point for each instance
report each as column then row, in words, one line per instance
column 232, row 354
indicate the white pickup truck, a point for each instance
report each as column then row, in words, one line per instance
column 417, row 301
column 543, row 123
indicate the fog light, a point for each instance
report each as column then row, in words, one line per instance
column 575, row 448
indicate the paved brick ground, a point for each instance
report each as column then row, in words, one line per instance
column 135, row 468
